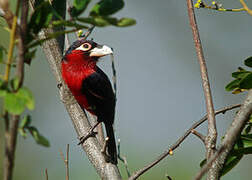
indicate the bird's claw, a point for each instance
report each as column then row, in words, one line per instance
column 84, row 138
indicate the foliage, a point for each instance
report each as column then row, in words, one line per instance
column 243, row 79
column 100, row 15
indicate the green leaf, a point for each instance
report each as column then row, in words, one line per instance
column 79, row 6
column 29, row 56
column 230, row 163
column 246, row 82
column 3, row 92
column 123, row 22
column 22, row 132
column 41, row 17
column 14, row 83
column 247, row 140
column 1, row 82
column 97, row 21
column 248, row 62
column 1, row 53
column 106, row 7
column 233, row 158
column 38, row 137
column 202, row 163
column 69, row 23
column 105, row 21
column 248, row 129
column 14, row 103
column 232, row 85
column 240, row 74
column 26, row 94
column 26, row 121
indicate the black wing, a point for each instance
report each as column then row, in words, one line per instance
column 100, row 96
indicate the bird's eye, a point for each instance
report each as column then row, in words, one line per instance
column 86, row 46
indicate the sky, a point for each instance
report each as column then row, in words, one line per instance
column 159, row 91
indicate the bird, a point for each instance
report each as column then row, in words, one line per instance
column 90, row 86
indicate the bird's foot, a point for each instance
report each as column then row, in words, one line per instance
column 84, row 138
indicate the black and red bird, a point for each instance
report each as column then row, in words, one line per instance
column 90, row 85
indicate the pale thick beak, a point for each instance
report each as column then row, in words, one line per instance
column 101, row 51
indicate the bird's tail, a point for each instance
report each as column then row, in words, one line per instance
column 111, row 143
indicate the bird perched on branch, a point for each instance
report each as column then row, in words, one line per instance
column 90, row 85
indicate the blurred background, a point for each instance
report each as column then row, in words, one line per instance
column 159, row 92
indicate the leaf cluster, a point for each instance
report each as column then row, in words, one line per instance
column 99, row 15
column 16, row 100
column 243, row 79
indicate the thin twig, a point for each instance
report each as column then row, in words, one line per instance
column 66, row 161
column 6, row 12
column 88, row 32
column 11, row 44
column 46, row 174
column 246, row 7
column 199, row 135
column 216, row 6
column 170, row 150
column 212, row 131
column 168, row 177
column 122, row 158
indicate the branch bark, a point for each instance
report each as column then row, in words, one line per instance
column 82, row 126
column 211, row 137
column 232, row 133
column 10, row 147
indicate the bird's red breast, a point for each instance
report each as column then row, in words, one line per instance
column 75, row 69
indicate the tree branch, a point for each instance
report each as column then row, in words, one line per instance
column 249, row 11
column 11, row 130
column 212, row 131
column 206, row 167
column 79, row 120
column 10, row 147
column 233, row 132
column 170, row 150
column 199, row 135
column 66, row 161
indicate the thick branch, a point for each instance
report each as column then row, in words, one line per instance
column 178, row 142
column 233, row 132
column 212, row 131
column 201, row 173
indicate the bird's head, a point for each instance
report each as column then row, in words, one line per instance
column 88, row 50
